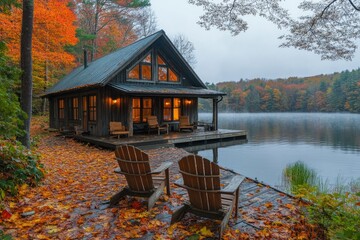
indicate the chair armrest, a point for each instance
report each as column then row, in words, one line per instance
column 233, row 185
column 162, row 167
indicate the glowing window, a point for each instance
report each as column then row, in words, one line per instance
column 142, row 70
column 165, row 73
column 142, row 108
column 92, row 108
column 172, row 109
column 75, row 108
column 61, row 103
column 136, row 110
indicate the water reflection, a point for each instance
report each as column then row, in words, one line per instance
column 328, row 143
column 340, row 131
column 214, row 148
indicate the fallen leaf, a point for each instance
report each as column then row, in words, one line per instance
column 205, row 232
column 5, row 214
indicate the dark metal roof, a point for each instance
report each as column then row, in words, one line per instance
column 164, row 90
column 99, row 71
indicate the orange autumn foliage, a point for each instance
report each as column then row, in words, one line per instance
column 53, row 30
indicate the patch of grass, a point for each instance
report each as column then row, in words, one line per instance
column 298, row 174
column 335, row 208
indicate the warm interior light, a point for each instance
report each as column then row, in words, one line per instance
column 188, row 101
column 114, row 101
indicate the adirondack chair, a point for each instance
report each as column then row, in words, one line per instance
column 184, row 123
column 201, row 178
column 134, row 165
column 117, row 129
column 153, row 124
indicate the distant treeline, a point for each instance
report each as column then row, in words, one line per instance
column 338, row 92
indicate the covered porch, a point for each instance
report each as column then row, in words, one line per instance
column 133, row 104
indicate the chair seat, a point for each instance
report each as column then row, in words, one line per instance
column 141, row 180
column 201, row 179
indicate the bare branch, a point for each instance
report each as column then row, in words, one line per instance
column 354, row 6
column 315, row 19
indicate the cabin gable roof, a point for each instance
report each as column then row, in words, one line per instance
column 101, row 71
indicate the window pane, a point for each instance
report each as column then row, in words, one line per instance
column 167, row 114
column 61, row 108
column 136, row 102
column 172, row 76
column 146, row 72
column 147, row 59
column 134, row 73
column 147, row 103
column 147, row 108
column 167, row 102
column 146, row 113
column 176, row 113
column 160, row 61
column 162, row 73
column 93, row 101
column 177, row 102
column 75, row 108
column 92, row 108
column 136, row 115
column 75, row 102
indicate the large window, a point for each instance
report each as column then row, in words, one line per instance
column 165, row 73
column 172, row 109
column 136, row 110
column 142, row 108
column 142, row 71
column 74, row 108
column 92, row 108
column 61, row 105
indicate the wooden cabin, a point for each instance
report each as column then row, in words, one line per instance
column 147, row 77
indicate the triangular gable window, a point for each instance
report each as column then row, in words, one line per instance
column 143, row 70
column 165, row 73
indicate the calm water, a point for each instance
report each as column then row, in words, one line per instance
column 328, row 143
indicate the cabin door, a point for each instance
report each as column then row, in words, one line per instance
column 85, row 113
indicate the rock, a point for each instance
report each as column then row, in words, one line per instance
column 27, row 214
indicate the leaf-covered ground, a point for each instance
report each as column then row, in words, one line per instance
column 80, row 178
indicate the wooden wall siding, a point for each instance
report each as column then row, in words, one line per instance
column 190, row 110
column 52, row 116
column 108, row 111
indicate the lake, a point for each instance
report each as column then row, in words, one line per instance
column 326, row 142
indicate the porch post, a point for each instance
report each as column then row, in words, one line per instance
column 215, row 114
column 130, row 117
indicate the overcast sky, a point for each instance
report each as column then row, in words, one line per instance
column 252, row 54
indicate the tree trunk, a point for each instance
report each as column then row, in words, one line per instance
column 26, row 67
column 44, row 102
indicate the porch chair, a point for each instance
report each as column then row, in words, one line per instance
column 184, row 123
column 152, row 123
column 201, row 178
column 116, row 128
column 134, row 165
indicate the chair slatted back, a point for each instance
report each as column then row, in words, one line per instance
column 134, row 164
column 152, row 121
column 184, row 120
column 116, row 126
column 202, row 179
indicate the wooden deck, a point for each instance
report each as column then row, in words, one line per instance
column 173, row 139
